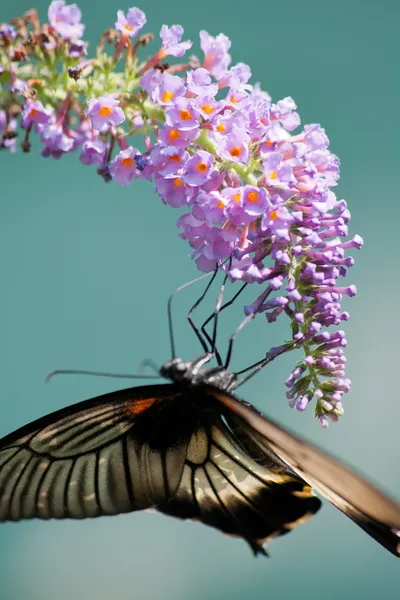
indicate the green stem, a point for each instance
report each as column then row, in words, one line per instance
column 153, row 111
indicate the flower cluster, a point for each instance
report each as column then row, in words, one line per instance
column 256, row 189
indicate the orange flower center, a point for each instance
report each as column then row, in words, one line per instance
column 185, row 115
column 173, row 135
column 273, row 215
column 221, row 127
column 236, row 151
column 220, row 204
column 105, row 111
column 252, row 197
column 175, row 158
column 167, row 96
column 128, row 27
column 202, row 167
column 178, row 182
column 33, row 112
column 207, row 109
column 127, row 162
column 273, row 175
column 236, row 198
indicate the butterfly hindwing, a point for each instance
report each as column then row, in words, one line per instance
column 224, row 488
column 114, row 454
column 349, row 492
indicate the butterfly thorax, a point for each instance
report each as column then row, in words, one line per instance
column 191, row 373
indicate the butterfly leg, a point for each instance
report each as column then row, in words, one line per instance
column 169, row 311
column 223, row 307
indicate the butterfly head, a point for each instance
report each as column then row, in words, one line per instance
column 177, row 370
column 190, row 373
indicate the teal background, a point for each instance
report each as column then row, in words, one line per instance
column 86, row 269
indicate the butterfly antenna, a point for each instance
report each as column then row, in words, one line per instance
column 147, row 362
column 98, row 374
column 169, row 309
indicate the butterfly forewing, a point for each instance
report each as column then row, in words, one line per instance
column 348, row 491
column 114, row 454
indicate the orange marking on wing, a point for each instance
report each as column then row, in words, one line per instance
column 135, row 407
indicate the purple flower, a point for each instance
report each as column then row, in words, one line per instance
column 198, row 168
column 259, row 119
column 56, row 142
column 278, row 173
column 66, row 19
column 209, row 207
column 168, row 160
column 208, row 107
column 193, row 229
column 169, row 88
column 246, row 204
column 237, row 98
column 171, row 41
column 283, row 111
column 278, row 221
column 218, row 244
column 235, row 146
column 93, row 152
column 131, row 24
column 173, row 136
column 216, row 57
column 123, row 167
column 257, row 93
column 7, row 33
column 204, row 264
column 182, row 114
column 224, row 123
column 236, row 77
column 33, row 113
column 173, row 190
column 315, row 137
column 77, row 48
column 199, row 83
column 105, row 112
column 82, row 133
column 150, row 80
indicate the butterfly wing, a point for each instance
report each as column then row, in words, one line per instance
column 377, row 514
column 113, row 454
column 223, row 487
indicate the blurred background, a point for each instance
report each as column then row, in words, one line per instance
column 86, row 271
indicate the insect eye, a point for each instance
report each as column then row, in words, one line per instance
column 181, row 367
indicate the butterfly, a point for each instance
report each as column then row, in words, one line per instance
column 189, row 449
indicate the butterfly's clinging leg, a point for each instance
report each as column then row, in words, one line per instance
column 212, row 316
column 169, row 311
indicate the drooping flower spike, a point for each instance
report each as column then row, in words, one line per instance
column 253, row 185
